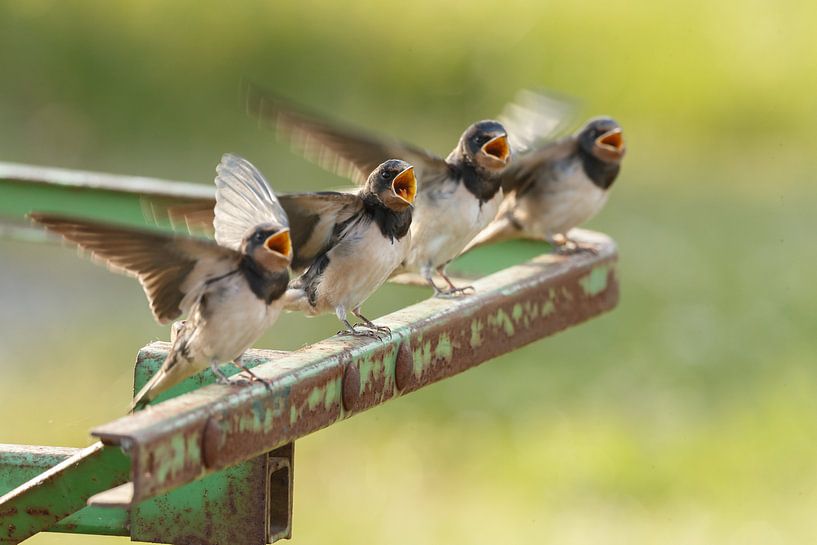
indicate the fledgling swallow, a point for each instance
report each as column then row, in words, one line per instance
column 558, row 186
column 457, row 196
column 231, row 290
column 350, row 243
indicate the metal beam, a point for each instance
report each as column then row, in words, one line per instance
column 38, row 504
column 20, row 463
column 185, row 438
column 110, row 197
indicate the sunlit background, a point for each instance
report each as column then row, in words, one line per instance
column 686, row 416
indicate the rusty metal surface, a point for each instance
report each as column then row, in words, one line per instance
column 185, row 438
column 247, row 504
column 20, row 463
column 38, row 504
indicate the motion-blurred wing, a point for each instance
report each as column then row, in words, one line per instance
column 535, row 117
column 244, row 200
column 314, row 219
column 346, row 151
column 536, row 165
column 172, row 270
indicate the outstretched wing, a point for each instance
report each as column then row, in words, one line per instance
column 346, row 151
column 172, row 270
column 314, row 220
column 534, row 165
column 244, row 200
column 535, row 117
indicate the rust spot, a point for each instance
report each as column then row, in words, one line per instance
column 10, row 512
column 403, row 372
column 211, row 443
column 351, row 387
column 38, row 511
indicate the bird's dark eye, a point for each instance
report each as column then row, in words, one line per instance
column 259, row 237
column 482, row 139
column 386, row 174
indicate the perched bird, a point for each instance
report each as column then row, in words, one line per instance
column 456, row 198
column 350, row 243
column 231, row 291
column 558, row 186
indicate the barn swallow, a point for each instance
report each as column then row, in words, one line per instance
column 350, row 243
column 558, row 186
column 230, row 290
column 457, row 196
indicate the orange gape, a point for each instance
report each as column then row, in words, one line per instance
column 498, row 147
column 615, row 139
column 280, row 242
column 405, row 185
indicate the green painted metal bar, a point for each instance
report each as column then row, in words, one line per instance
column 218, row 426
column 20, row 463
column 38, row 504
column 239, row 505
column 111, row 197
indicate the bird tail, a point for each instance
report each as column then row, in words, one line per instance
column 168, row 374
column 149, row 390
column 497, row 231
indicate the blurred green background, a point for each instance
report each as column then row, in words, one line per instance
column 686, row 416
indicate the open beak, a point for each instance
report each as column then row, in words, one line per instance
column 612, row 140
column 405, row 185
column 498, row 148
column 280, row 243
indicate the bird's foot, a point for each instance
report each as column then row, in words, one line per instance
column 252, row 376
column 367, row 323
column 571, row 247
column 221, row 378
column 453, row 292
column 353, row 332
column 379, row 329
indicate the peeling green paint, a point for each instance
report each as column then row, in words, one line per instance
column 366, row 368
column 516, row 313
column 444, row 349
column 315, row 397
column 595, row 282
column 476, row 333
column 293, row 415
column 421, row 358
column 174, row 455
column 547, row 308
column 332, row 395
column 502, row 320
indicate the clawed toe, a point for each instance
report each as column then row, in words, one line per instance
column 573, row 248
column 454, row 292
column 367, row 330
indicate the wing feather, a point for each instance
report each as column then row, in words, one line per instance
column 314, row 218
column 172, row 270
column 347, row 151
column 244, row 200
column 535, row 117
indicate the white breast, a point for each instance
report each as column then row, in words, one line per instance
column 444, row 223
column 359, row 265
column 233, row 320
column 557, row 206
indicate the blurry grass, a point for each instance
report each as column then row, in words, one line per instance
column 685, row 416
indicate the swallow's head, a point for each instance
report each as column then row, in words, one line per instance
column 270, row 246
column 603, row 138
column 394, row 184
column 485, row 144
